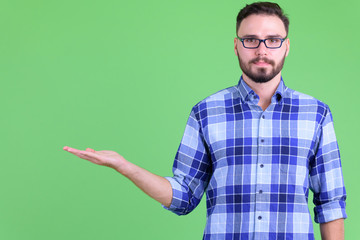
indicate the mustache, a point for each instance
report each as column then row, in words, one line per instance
column 258, row 59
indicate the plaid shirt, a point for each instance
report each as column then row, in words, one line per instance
column 257, row 166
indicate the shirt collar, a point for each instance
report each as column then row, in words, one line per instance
column 247, row 93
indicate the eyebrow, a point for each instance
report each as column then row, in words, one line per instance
column 268, row 36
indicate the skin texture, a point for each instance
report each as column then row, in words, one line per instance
column 262, row 26
column 261, row 62
column 333, row 230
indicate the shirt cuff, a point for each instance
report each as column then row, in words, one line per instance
column 330, row 211
column 176, row 201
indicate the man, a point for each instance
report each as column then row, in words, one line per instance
column 255, row 149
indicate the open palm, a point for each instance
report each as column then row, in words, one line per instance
column 104, row 158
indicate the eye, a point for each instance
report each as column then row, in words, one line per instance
column 274, row 40
column 249, row 40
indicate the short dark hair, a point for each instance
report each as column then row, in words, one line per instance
column 267, row 8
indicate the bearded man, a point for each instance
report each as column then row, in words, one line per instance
column 255, row 149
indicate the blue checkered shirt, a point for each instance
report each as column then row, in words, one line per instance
column 257, row 166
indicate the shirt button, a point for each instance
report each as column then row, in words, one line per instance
column 261, row 165
column 262, row 140
column 259, row 217
column 263, row 116
column 260, row 191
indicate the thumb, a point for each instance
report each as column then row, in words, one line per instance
column 90, row 150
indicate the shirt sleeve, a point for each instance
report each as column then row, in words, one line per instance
column 191, row 169
column 326, row 179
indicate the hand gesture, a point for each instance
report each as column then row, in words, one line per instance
column 104, row 158
column 153, row 185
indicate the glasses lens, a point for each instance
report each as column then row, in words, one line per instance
column 273, row 42
column 251, row 42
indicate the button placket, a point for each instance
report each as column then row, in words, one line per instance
column 260, row 172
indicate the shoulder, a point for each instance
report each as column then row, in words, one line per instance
column 304, row 101
column 218, row 100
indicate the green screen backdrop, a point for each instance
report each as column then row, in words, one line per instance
column 123, row 76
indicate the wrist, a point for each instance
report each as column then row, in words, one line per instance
column 126, row 168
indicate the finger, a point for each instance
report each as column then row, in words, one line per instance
column 69, row 148
column 87, row 155
column 77, row 152
column 83, row 153
column 93, row 157
column 90, row 150
column 72, row 150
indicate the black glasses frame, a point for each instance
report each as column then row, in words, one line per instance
column 260, row 41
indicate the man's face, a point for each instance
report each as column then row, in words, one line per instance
column 261, row 64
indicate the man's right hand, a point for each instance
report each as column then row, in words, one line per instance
column 155, row 186
column 104, row 158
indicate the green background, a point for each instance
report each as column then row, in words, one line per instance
column 123, row 76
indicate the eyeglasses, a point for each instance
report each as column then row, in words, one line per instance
column 255, row 42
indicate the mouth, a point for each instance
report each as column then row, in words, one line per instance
column 261, row 63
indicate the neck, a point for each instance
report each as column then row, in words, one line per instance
column 265, row 91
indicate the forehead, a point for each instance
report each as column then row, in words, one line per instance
column 262, row 26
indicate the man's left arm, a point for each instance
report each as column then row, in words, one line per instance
column 326, row 182
column 333, row 230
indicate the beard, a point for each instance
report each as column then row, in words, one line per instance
column 260, row 75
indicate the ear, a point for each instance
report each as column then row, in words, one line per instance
column 287, row 43
column 235, row 46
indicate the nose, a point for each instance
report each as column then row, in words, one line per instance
column 261, row 50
